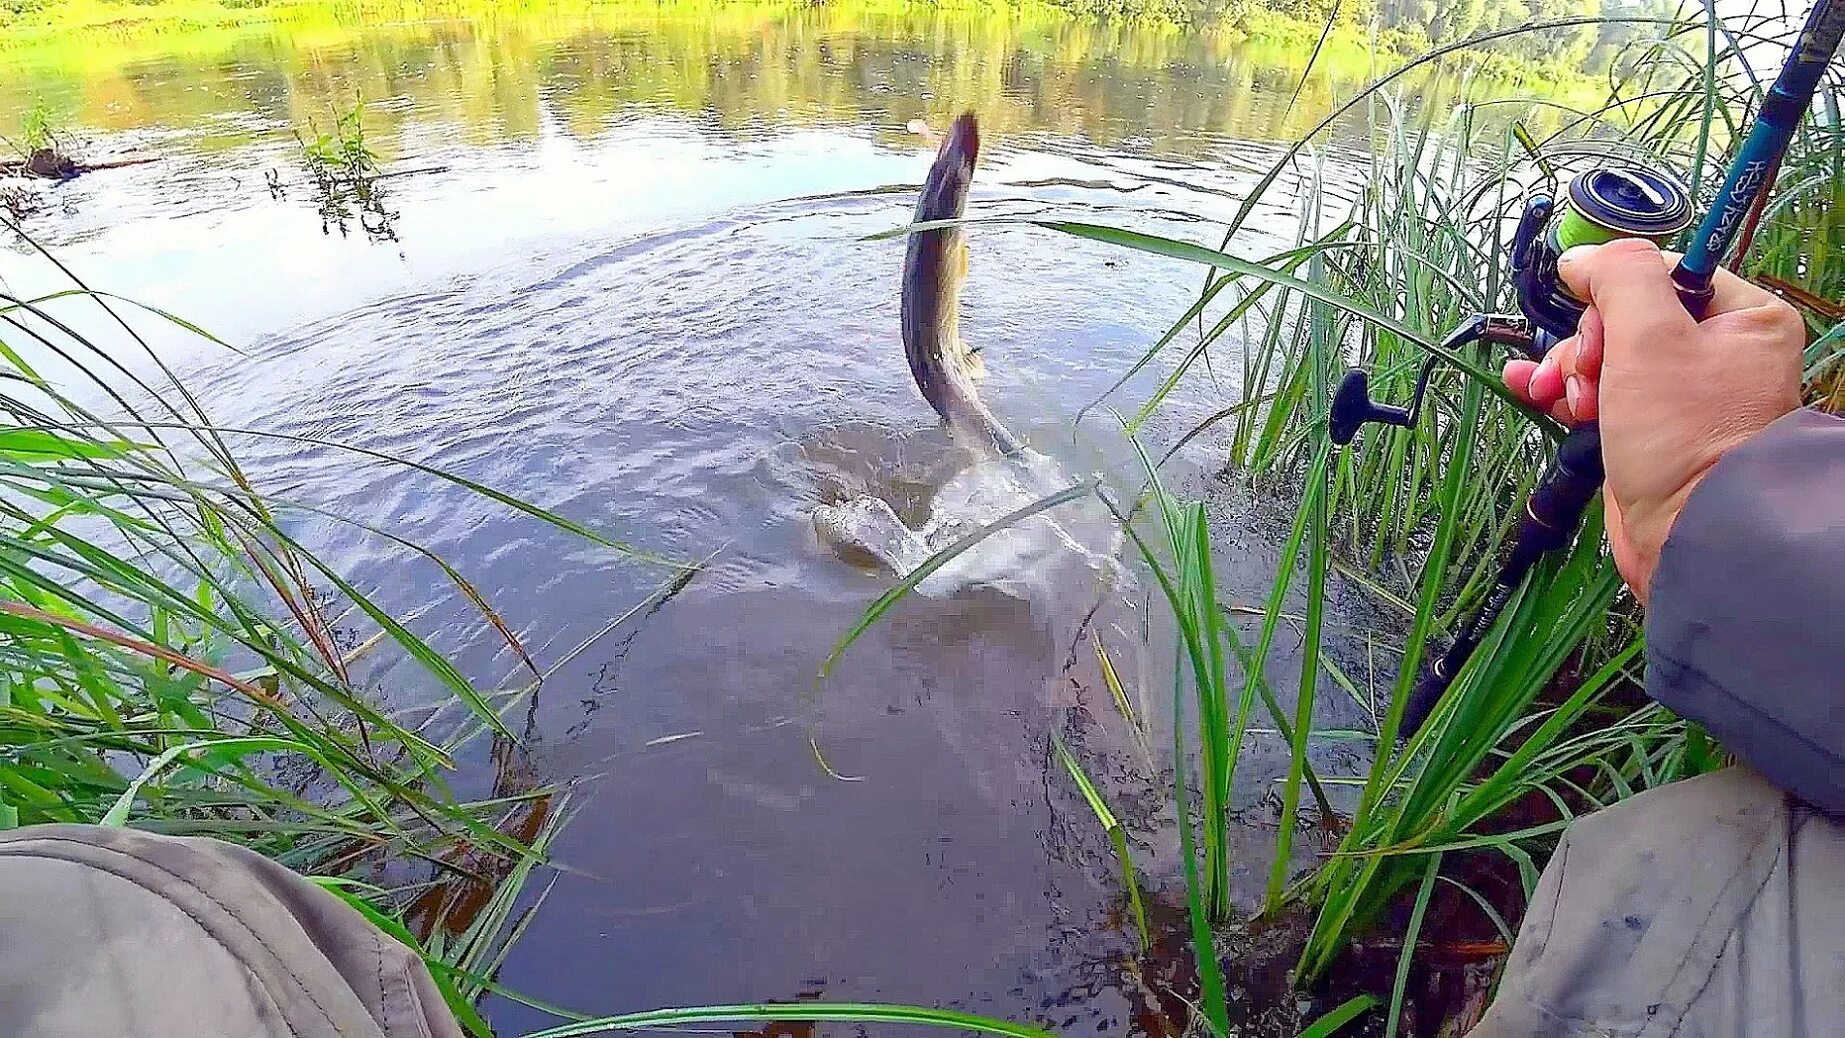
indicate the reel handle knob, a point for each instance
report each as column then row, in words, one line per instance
column 1353, row 408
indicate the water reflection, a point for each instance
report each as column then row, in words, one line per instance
column 739, row 71
column 641, row 295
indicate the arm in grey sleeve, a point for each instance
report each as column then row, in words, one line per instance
column 1745, row 625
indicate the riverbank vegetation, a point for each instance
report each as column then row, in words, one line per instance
column 173, row 657
column 1437, row 844
column 1547, row 722
column 41, row 149
column 1389, row 31
column 488, row 76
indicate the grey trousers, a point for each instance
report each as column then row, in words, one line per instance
column 113, row 932
column 1710, row 907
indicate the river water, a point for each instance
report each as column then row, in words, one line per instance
column 630, row 281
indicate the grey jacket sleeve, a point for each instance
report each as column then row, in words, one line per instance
column 1745, row 624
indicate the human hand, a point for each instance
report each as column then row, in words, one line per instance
column 1673, row 395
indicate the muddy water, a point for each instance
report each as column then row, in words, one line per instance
column 636, row 289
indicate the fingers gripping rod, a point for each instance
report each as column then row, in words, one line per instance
column 1603, row 204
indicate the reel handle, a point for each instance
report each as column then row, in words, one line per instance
column 1353, row 409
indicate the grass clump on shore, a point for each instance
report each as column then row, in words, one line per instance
column 173, row 658
column 1547, row 721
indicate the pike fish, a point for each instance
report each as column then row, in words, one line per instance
column 1006, row 474
column 934, row 268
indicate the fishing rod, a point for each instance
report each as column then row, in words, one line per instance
column 1600, row 205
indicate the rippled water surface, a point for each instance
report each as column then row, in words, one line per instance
column 632, row 283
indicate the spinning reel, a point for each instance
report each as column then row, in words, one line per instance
column 1600, row 206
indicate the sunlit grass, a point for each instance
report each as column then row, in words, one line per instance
column 1546, row 722
column 173, row 658
column 1419, row 514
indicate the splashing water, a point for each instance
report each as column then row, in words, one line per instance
column 1028, row 559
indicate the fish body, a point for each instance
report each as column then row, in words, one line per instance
column 934, row 268
column 1027, row 558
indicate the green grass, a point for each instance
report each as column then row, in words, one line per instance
column 104, row 32
column 1419, row 514
column 36, row 128
column 1545, row 722
column 173, row 658
column 344, row 174
column 40, row 134
column 1117, row 837
column 843, row 1012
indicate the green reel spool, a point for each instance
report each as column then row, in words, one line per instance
column 1622, row 202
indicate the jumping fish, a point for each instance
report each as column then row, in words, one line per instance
column 934, row 268
column 1007, row 474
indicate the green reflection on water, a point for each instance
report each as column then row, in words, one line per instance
column 497, row 73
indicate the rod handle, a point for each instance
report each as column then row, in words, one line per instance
column 1430, row 686
column 1554, row 510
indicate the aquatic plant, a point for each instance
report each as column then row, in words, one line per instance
column 841, row 1012
column 44, row 150
column 1547, row 721
column 35, row 128
column 345, row 176
column 174, row 658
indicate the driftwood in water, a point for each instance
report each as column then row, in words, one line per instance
column 51, row 164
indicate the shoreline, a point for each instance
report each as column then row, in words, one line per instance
column 123, row 22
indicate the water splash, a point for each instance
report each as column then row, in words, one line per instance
column 1031, row 559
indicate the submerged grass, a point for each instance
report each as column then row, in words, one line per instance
column 1117, row 838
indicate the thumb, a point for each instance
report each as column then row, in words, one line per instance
column 1628, row 282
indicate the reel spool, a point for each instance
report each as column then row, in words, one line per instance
column 1600, row 206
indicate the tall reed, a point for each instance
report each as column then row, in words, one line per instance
column 1418, row 515
column 173, row 658
column 1545, row 722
